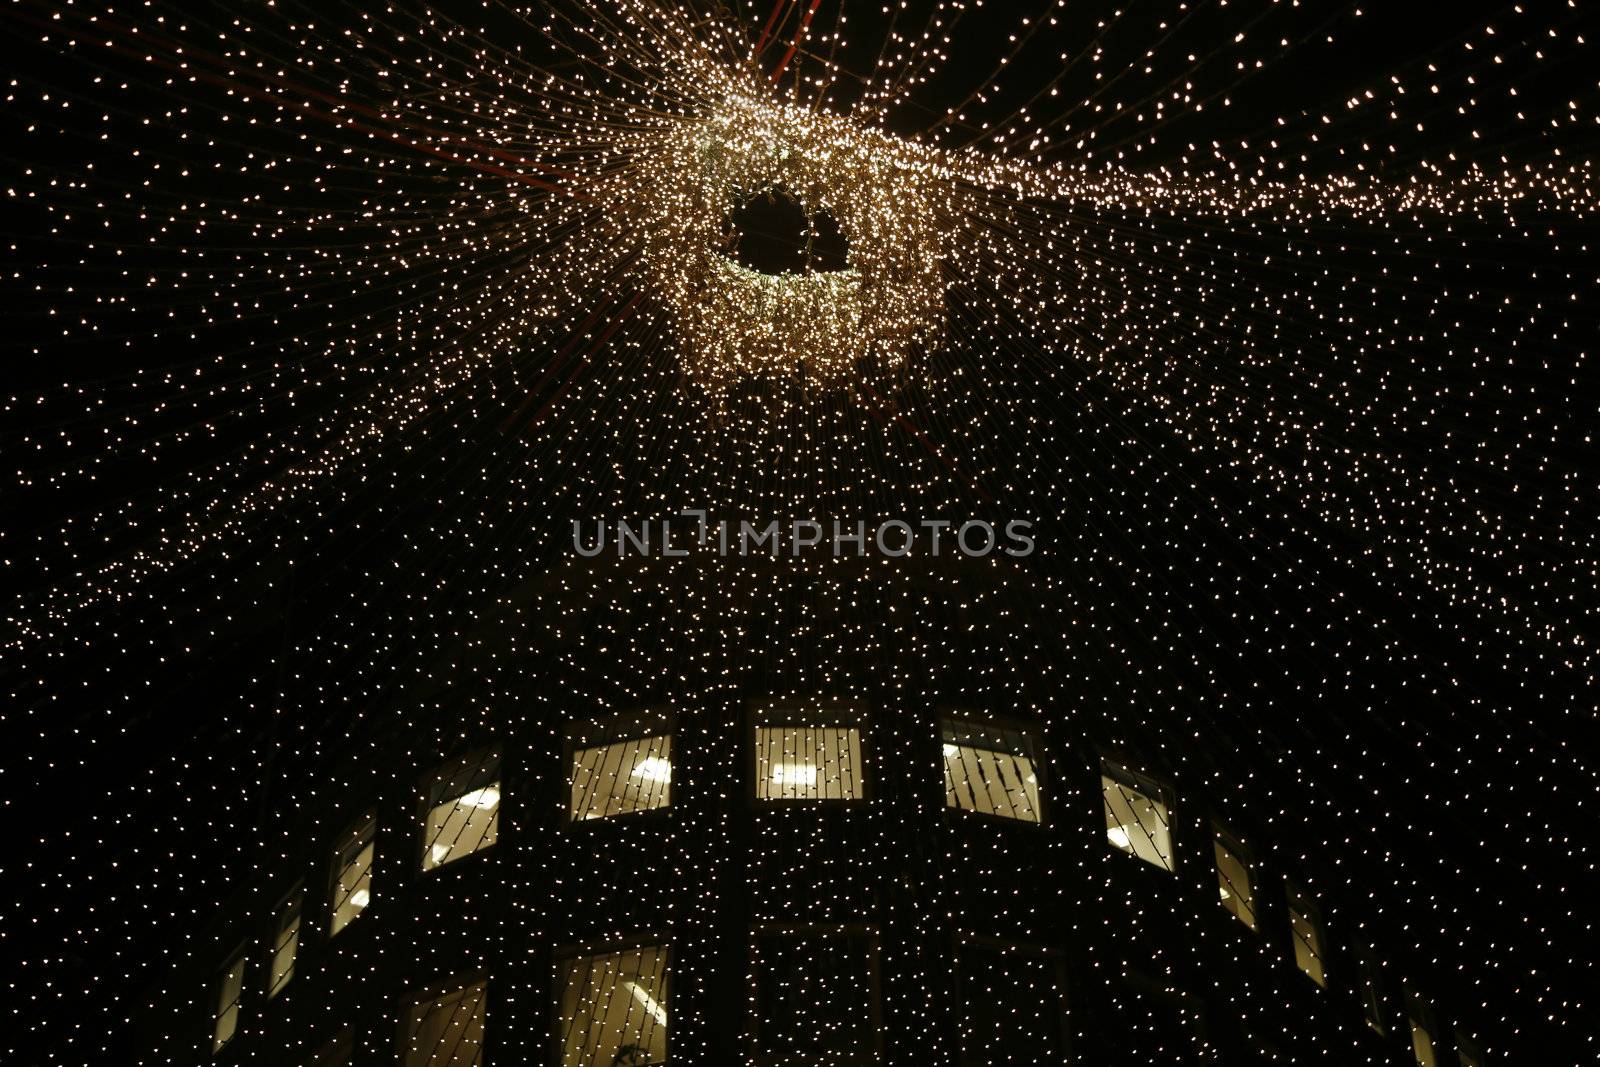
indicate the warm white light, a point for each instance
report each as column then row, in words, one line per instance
column 794, row 773
column 649, row 1002
column 653, row 769
column 360, row 898
column 486, row 798
column 1119, row 837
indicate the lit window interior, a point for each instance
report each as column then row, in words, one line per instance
column 446, row 1031
column 285, row 942
column 1234, row 882
column 1137, row 819
column 1371, row 987
column 464, row 816
column 809, row 763
column 990, row 770
column 352, row 889
column 1422, row 1045
column 1307, row 925
column 621, row 778
column 815, row 1000
column 230, row 987
column 614, row 1009
column 1419, row 1014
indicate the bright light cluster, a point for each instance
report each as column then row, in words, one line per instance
column 896, row 208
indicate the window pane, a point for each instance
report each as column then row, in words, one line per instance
column 230, row 987
column 808, row 763
column 614, row 1009
column 285, row 943
column 989, row 770
column 621, row 778
column 815, row 1000
column 1419, row 1015
column 1422, row 1046
column 1234, row 882
column 352, row 889
column 1011, row 1007
column 1137, row 823
column 446, row 1031
column 1371, row 987
column 461, row 826
column 1308, row 951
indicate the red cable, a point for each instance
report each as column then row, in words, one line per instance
column 766, row 34
column 798, row 34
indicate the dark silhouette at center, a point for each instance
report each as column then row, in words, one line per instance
column 772, row 234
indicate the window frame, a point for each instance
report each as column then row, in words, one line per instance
column 357, row 834
column 562, row 956
column 870, row 932
column 1154, row 789
column 810, row 713
column 642, row 724
column 1419, row 1015
column 1223, row 835
column 296, row 896
column 1371, row 988
column 1297, row 901
column 238, row 959
column 442, row 780
column 1033, row 740
column 432, row 993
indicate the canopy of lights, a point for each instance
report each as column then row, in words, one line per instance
column 1273, row 318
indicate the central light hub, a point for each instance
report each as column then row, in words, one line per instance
column 771, row 233
column 787, row 242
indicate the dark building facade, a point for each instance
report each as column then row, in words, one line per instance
column 857, row 811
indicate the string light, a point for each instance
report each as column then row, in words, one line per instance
column 329, row 323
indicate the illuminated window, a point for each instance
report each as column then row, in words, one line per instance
column 445, row 1030
column 1306, row 922
column 816, row 999
column 1136, row 815
column 621, row 777
column 809, row 752
column 990, row 769
column 1419, row 1014
column 1371, row 987
column 352, row 873
column 1234, row 880
column 230, row 987
column 463, row 812
column 1012, row 1005
column 614, row 1008
column 285, row 941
